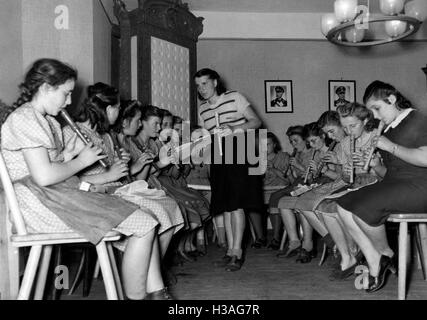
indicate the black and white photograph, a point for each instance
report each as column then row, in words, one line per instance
column 191, row 151
column 278, row 96
column 341, row 92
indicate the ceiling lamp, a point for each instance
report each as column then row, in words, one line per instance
column 353, row 25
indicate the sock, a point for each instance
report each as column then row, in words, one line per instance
column 221, row 235
column 308, row 245
column 328, row 241
column 293, row 244
column 229, row 252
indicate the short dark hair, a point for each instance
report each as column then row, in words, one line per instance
column 166, row 113
column 213, row 75
column 295, row 130
column 312, row 129
column 329, row 118
column 50, row 71
column 276, row 142
column 128, row 110
column 150, row 111
column 94, row 108
column 381, row 91
column 279, row 89
column 359, row 111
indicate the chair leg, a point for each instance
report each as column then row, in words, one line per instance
column 324, row 253
column 422, row 229
column 115, row 271
column 42, row 275
column 14, row 259
column 96, row 271
column 56, row 293
column 282, row 242
column 87, row 280
column 403, row 246
column 107, row 272
column 30, row 272
column 79, row 272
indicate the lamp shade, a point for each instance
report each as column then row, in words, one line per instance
column 345, row 10
column 416, row 9
column 395, row 28
column 354, row 35
column 391, row 7
column 328, row 22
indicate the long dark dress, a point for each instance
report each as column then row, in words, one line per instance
column 404, row 187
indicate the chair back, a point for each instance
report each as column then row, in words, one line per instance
column 11, row 201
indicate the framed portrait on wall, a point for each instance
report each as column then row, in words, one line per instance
column 341, row 92
column 278, row 96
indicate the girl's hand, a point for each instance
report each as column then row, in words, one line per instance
column 125, row 155
column 142, row 161
column 330, row 157
column 118, row 170
column 74, row 146
column 375, row 160
column 384, row 144
column 90, row 154
column 312, row 165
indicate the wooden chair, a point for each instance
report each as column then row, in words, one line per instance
column 421, row 241
column 41, row 247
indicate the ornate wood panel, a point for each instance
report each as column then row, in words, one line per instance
column 166, row 53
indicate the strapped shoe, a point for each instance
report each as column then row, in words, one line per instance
column 234, row 265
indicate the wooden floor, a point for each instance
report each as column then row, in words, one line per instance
column 266, row 277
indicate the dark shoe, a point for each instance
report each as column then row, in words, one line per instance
column 376, row 283
column 259, row 243
column 162, row 294
column 274, row 244
column 305, row 256
column 234, row 265
column 201, row 250
column 342, row 274
column 223, row 262
column 289, row 253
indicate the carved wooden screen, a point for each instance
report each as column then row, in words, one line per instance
column 155, row 49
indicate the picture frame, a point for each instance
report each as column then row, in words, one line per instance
column 278, row 96
column 341, row 92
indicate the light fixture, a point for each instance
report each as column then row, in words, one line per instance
column 353, row 25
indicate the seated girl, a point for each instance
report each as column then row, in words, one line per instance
column 95, row 117
column 275, row 177
column 170, row 178
column 404, row 184
column 357, row 121
column 43, row 170
column 298, row 162
column 289, row 205
column 330, row 125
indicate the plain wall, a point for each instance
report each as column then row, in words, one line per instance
column 246, row 64
column 10, row 49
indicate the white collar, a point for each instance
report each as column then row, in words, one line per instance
column 399, row 119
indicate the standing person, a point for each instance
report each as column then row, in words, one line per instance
column 43, row 171
column 403, row 147
column 233, row 189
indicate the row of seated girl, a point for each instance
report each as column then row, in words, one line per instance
column 354, row 189
column 53, row 170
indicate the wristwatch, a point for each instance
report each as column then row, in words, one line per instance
column 85, row 186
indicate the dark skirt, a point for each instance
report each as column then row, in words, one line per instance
column 373, row 204
column 232, row 185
